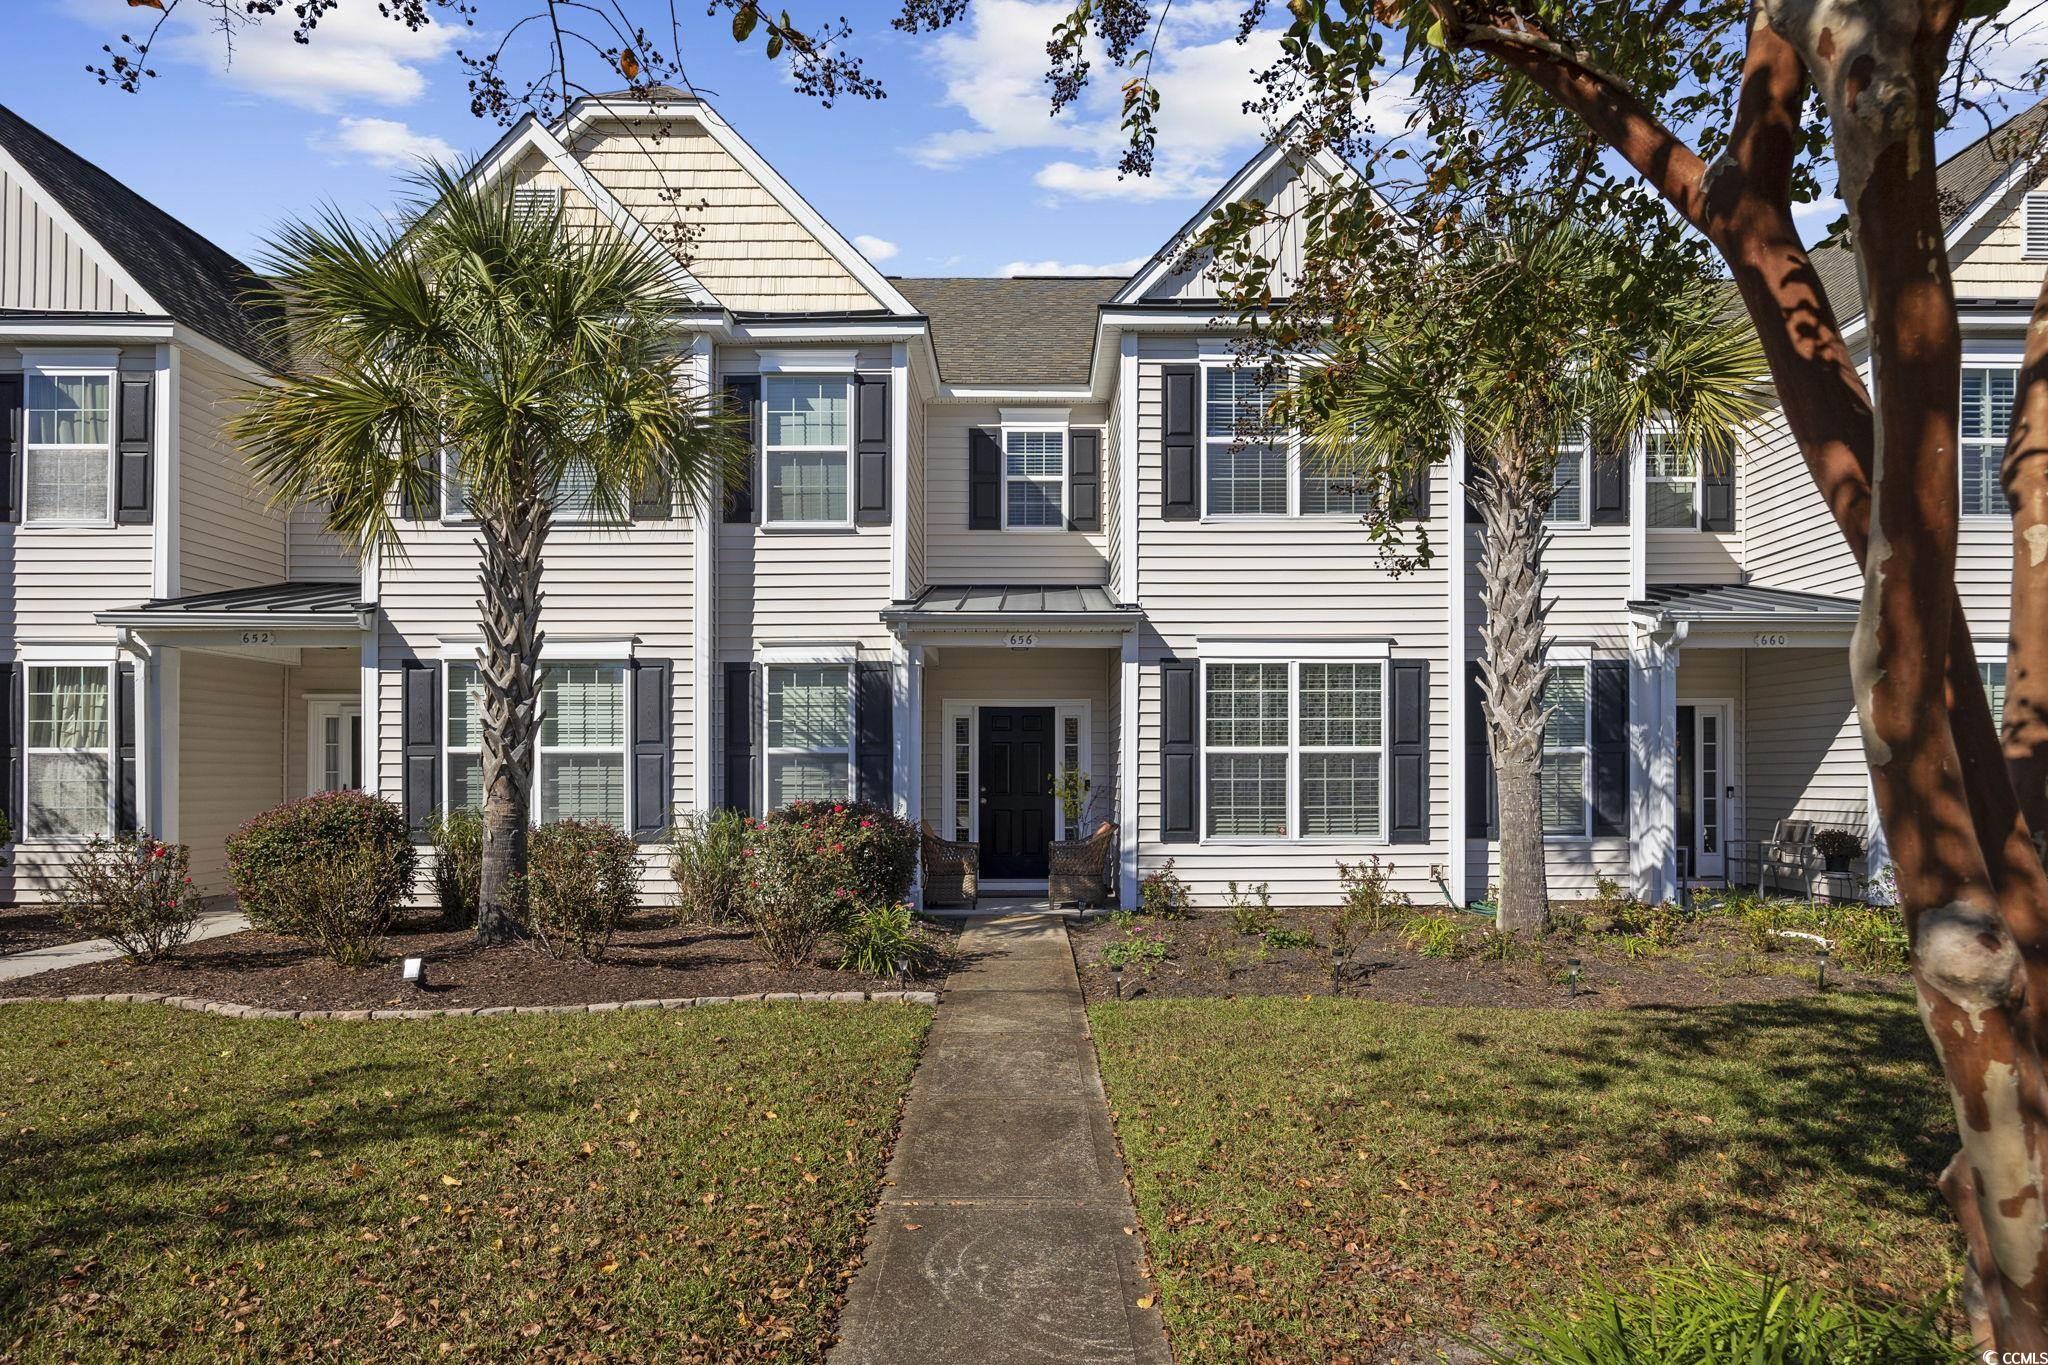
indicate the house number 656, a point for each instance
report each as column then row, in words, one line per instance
column 1023, row 641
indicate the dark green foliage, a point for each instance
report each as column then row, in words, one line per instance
column 886, row 940
column 582, row 881
column 333, row 868
column 458, row 839
column 707, row 861
column 873, row 852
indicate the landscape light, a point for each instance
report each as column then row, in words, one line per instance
column 414, row 972
column 1821, row 981
column 1337, row 968
column 1571, row 975
column 1116, row 976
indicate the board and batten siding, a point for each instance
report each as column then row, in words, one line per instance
column 911, row 518
column 228, row 537
column 1029, row 677
column 44, row 268
column 955, row 554
column 231, row 759
column 610, row 584
column 1286, row 194
column 1205, row 582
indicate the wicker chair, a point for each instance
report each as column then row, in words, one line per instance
column 1078, row 868
column 952, row 870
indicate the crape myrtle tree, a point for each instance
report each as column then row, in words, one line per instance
column 537, row 366
column 1525, row 332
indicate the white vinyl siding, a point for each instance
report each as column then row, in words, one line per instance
column 808, row 456
column 809, row 718
column 229, row 536
column 953, row 552
column 1986, row 420
column 69, row 751
column 68, row 448
column 1567, row 751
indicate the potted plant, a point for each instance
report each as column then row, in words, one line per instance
column 1839, row 847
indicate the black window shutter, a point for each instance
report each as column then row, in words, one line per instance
column 654, row 500
column 1415, row 492
column 741, row 684
column 1084, row 481
column 1180, row 751
column 123, row 711
column 134, row 430
column 653, row 745
column 1180, row 468
column 11, row 390
column 11, row 727
column 1482, row 804
column 1717, row 496
column 743, row 392
column 984, row 481
column 414, row 507
column 874, row 730
column 1610, row 487
column 1610, row 746
column 422, row 789
column 871, row 450
column 1408, row 751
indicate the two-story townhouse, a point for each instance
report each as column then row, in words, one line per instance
column 992, row 530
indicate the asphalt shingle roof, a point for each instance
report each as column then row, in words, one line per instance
column 196, row 282
column 1963, row 178
column 1031, row 330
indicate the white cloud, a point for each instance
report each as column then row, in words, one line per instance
column 994, row 73
column 385, row 142
column 875, row 248
column 1118, row 268
column 355, row 54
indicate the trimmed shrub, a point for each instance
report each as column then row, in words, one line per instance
column 795, row 894
column 458, row 839
column 872, row 852
column 1718, row 1314
column 707, row 857
column 886, row 940
column 135, row 892
column 1164, row 895
column 332, row 868
column 1371, row 904
column 582, row 881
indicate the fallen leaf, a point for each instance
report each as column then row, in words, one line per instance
column 450, row 1180
column 1145, row 1301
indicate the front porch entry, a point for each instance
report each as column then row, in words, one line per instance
column 1016, row 757
column 1706, row 788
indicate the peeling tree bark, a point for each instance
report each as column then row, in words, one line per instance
column 1512, row 678
column 510, row 666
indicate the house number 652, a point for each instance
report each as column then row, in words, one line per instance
column 259, row 637
column 1023, row 641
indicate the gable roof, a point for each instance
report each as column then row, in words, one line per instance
column 1967, row 181
column 1013, row 332
column 188, row 277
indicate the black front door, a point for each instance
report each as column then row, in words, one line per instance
column 1016, row 790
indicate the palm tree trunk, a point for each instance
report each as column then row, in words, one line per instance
column 511, row 672
column 1511, row 679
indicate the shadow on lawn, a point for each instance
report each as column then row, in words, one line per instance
column 146, row 1178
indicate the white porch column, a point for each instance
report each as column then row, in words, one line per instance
column 1653, row 761
column 1127, row 772
column 160, row 699
column 906, row 775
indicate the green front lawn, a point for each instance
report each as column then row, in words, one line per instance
column 685, row 1185
column 1319, row 1179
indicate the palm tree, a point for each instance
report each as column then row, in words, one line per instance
column 542, row 360
column 1528, row 336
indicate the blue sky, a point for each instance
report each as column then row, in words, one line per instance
column 959, row 171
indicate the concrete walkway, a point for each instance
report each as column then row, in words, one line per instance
column 1005, row 1232
column 14, row 966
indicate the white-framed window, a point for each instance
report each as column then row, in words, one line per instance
column 1034, row 479
column 1326, row 495
column 334, row 744
column 962, row 726
column 581, row 768
column 572, row 507
column 1246, row 466
column 807, row 451
column 69, row 751
column 1568, row 750
column 1072, row 760
column 68, row 447
column 810, row 732
column 1993, row 673
column 1671, row 482
column 1294, row 749
column 1986, row 420
column 1568, row 479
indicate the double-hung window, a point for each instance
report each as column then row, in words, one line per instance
column 1295, row 749
column 1671, row 482
column 572, row 499
column 68, row 449
column 1568, row 483
column 808, row 455
column 1034, row 479
column 1987, row 418
column 1245, row 463
column 1993, row 673
column 1567, row 750
column 809, row 716
column 69, row 751
column 582, row 758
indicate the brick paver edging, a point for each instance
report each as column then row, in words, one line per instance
column 233, row 1011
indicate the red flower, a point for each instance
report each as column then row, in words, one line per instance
column 867, row 824
column 838, row 810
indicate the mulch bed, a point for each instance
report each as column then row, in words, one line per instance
column 650, row 958
column 25, row 929
column 1205, row 957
